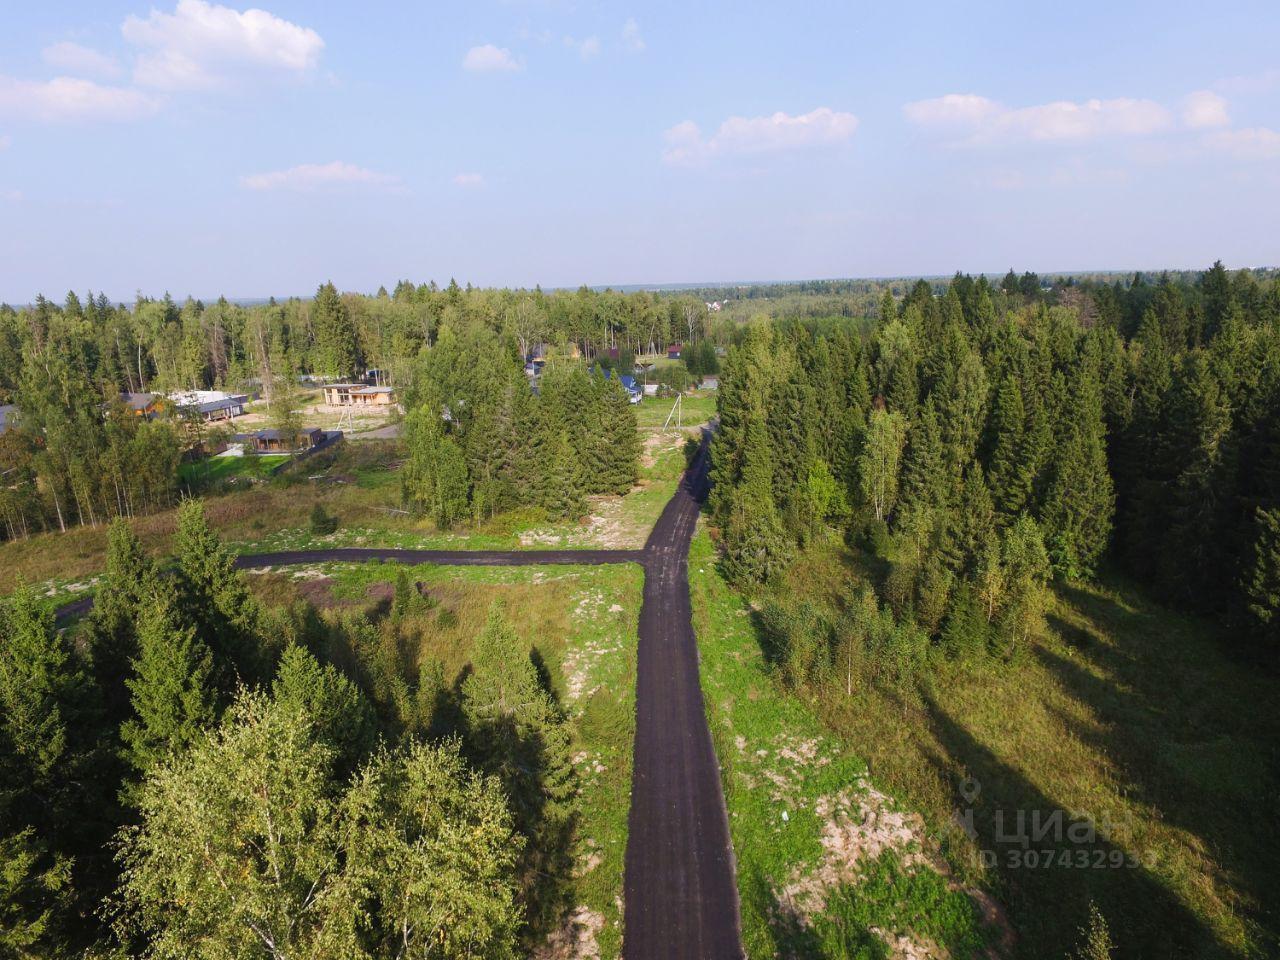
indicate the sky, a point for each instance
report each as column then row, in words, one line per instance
column 201, row 149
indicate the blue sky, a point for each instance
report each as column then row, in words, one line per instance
column 201, row 149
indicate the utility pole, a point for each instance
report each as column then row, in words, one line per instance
column 677, row 411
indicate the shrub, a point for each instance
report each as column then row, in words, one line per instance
column 322, row 524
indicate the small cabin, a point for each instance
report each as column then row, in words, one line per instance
column 674, row 351
column 281, row 441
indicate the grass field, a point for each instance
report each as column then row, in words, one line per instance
column 216, row 471
column 359, row 484
column 1139, row 721
column 583, row 623
column 698, row 407
column 828, row 865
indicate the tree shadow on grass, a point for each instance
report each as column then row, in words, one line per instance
column 1050, row 864
column 1212, row 779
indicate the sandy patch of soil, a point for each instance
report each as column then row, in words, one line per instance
column 575, row 939
column 655, row 444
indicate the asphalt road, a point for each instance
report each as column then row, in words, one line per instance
column 680, row 895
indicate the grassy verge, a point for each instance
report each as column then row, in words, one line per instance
column 583, row 623
column 828, row 866
column 1126, row 719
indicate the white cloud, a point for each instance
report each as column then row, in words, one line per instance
column 1204, row 109
column 202, row 45
column 686, row 145
column 587, row 48
column 1262, row 82
column 5, row 141
column 315, row 176
column 469, row 179
column 490, row 59
column 64, row 99
column 1247, row 143
column 984, row 120
column 76, row 59
column 631, row 36
column 12, row 196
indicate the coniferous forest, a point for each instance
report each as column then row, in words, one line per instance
column 985, row 441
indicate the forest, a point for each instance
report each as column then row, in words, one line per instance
column 984, row 442
column 78, row 455
column 194, row 772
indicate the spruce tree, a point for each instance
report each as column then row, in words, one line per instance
column 344, row 721
column 620, row 440
column 215, row 597
column 521, row 736
column 127, row 583
column 336, row 350
column 1262, row 586
column 1079, row 500
column 172, row 694
column 756, row 545
column 1009, row 487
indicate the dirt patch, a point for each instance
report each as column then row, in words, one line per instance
column 858, row 824
column 576, row 939
column 655, row 444
column 318, row 593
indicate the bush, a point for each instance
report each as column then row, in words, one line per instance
column 322, row 524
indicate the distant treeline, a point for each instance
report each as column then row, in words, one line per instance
column 982, row 441
column 78, row 456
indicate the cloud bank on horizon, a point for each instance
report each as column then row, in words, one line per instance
column 572, row 119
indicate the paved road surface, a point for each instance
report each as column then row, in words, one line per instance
column 681, row 900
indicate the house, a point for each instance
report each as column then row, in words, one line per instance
column 280, row 441
column 339, row 394
column 225, row 408
column 209, row 405
column 8, row 414
column 674, row 351
column 145, row 405
column 710, row 383
column 634, row 390
column 358, row 395
column 373, row 397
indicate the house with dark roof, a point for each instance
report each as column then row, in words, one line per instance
column 145, row 405
column 281, row 441
column 222, row 409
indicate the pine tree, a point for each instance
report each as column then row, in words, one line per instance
column 172, row 695
column 47, row 794
column 558, row 485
